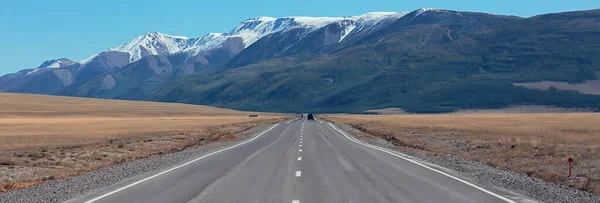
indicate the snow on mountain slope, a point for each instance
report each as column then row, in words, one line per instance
column 51, row 64
column 253, row 29
column 207, row 42
column 369, row 21
column 154, row 43
column 250, row 30
column 56, row 63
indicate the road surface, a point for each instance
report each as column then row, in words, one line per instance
column 298, row 161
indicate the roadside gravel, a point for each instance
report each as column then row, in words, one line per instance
column 68, row 188
column 491, row 176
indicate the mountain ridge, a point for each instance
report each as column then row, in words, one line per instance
column 342, row 64
column 193, row 53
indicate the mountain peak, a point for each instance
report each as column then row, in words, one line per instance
column 162, row 35
column 56, row 63
column 153, row 43
column 260, row 18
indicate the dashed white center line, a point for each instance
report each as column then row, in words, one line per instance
column 298, row 173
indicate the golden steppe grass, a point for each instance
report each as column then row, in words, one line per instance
column 49, row 137
column 534, row 144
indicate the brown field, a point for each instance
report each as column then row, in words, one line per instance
column 534, row 144
column 48, row 137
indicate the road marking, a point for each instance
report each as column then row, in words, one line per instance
column 295, row 201
column 177, row 167
column 300, row 145
column 299, row 158
column 300, row 150
column 393, row 153
column 298, row 173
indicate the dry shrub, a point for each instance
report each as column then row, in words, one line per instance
column 7, row 162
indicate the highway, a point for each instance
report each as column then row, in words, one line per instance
column 298, row 161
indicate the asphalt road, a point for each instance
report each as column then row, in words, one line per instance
column 298, row 161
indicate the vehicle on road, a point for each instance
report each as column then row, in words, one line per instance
column 310, row 116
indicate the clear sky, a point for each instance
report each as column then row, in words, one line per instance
column 32, row 31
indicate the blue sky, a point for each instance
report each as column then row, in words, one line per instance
column 32, row 31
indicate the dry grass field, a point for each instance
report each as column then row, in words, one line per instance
column 49, row 137
column 534, row 144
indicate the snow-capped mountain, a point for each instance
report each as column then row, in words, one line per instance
column 188, row 54
column 154, row 43
column 370, row 22
column 253, row 29
column 250, row 30
column 307, row 34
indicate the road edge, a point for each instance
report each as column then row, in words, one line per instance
column 179, row 166
column 405, row 157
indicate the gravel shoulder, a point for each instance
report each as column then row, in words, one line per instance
column 486, row 175
column 94, row 181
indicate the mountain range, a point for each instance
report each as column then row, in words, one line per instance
column 427, row 60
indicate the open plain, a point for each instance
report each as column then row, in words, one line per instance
column 47, row 137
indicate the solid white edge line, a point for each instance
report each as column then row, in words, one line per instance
column 176, row 167
column 422, row 165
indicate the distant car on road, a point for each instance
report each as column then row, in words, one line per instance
column 310, row 116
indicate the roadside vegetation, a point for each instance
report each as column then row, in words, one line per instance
column 537, row 145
